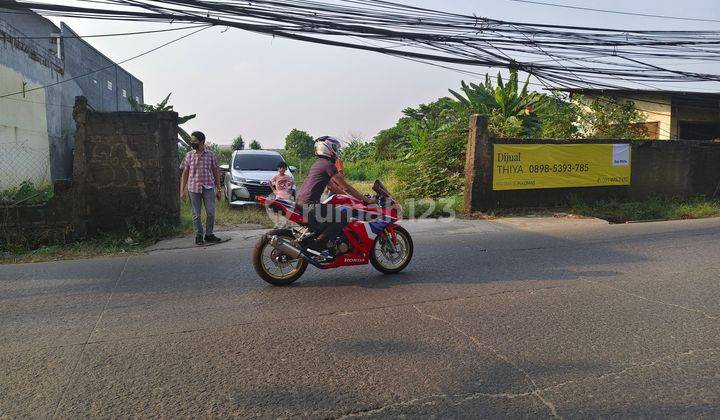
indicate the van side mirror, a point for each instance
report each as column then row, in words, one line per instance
column 292, row 168
column 225, row 168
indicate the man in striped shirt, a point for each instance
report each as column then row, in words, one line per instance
column 201, row 177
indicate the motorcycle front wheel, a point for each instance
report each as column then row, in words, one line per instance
column 274, row 266
column 388, row 258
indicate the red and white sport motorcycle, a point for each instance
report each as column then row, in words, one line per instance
column 373, row 237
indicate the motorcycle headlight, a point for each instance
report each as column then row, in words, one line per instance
column 238, row 180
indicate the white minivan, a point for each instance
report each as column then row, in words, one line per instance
column 248, row 175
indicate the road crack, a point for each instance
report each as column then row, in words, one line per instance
column 635, row 295
column 530, row 382
column 285, row 319
column 71, row 377
column 630, row 368
column 429, row 400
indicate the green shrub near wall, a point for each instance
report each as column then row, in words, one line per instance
column 370, row 169
column 437, row 169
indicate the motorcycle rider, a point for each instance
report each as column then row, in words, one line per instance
column 326, row 221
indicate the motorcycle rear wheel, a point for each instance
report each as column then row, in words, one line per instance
column 275, row 267
column 389, row 261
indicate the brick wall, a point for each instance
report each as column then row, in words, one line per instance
column 126, row 168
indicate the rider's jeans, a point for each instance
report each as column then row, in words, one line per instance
column 327, row 219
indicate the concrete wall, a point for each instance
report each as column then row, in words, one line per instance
column 672, row 168
column 24, row 61
column 80, row 58
column 24, row 144
column 126, row 169
column 38, row 64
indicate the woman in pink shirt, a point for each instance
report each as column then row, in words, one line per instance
column 282, row 183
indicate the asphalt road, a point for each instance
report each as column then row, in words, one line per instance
column 491, row 319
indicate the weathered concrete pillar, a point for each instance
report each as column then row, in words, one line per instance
column 80, row 173
column 478, row 166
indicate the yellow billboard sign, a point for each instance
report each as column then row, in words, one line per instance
column 534, row 166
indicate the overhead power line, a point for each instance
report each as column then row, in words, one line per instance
column 564, row 55
column 617, row 12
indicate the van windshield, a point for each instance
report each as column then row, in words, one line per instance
column 253, row 162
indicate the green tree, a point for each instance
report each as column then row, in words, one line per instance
column 160, row 107
column 425, row 122
column 238, row 143
column 299, row 144
column 434, row 115
column 558, row 117
column 609, row 118
column 255, row 145
column 213, row 147
column 357, row 149
column 388, row 141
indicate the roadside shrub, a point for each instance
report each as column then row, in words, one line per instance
column 370, row 169
column 26, row 193
column 302, row 164
column 437, row 169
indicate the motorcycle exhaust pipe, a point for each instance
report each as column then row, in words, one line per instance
column 291, row 250
column 285, row 246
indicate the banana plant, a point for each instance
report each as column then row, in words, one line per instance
column 163, row 106
column 509, row 99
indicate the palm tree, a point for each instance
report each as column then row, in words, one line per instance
column 163, row 106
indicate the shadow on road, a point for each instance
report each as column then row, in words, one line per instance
column 495, row 258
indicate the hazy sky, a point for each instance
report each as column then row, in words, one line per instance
column 243, row 83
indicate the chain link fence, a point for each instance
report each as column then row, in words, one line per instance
column 24, row 173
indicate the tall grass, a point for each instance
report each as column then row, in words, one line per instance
column 370, row 169
column 653, row 208
column 226, row 217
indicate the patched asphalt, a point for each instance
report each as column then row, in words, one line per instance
column 510, row 318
